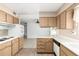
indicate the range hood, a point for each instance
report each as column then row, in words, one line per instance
column 6, row 24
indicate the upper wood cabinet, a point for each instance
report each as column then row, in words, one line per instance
column 47, row 22
column 43, row 21
column 58, row 21
column 52, row 22
column 15, row 20
column 63, row 20
column 2, row 16
column 9, row 18
column 69, row 19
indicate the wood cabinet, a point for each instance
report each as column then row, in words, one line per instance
column 21, row 42
column 43, row 21
column 15, row 46
column 44, row 45
column 63, row 20
column 9, row 18
column 66, row 52
column 16, row 20
column 5, row 17
column 58, row 21
column 5, row 49
column 2, row 16
column 52, row 22
column 47, row 22
column 11, row 47
column 69, row 19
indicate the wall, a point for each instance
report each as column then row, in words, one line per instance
column 25, row 28
column 30, row 43
column 34, row 30
column 17, row 30
column 3, row 32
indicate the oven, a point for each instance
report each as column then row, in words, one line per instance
column 56, row 48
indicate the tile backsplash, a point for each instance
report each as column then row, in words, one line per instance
column 3, row 32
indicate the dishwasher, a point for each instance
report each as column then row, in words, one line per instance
column 56, row 47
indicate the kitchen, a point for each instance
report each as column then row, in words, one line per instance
column 39, row 29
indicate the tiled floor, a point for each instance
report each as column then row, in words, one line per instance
column 31, row 52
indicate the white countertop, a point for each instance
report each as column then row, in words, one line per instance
column 71, row 44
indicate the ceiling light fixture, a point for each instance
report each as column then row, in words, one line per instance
column 37, row 21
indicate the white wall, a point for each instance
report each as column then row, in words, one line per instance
column 18, row 30
column 34, row 30
column 30, row 43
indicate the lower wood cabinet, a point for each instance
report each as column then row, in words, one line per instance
column 20, row 41
column 15, row 46
column 66, row 52
column 5, row 49
column 11, row 47
column 44, row 45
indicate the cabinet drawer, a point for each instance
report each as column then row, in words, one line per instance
column 4, row 45
column 67, row 51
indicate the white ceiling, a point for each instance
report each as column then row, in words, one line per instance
column 30, row 8
column 31, row 11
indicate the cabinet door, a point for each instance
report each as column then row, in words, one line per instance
column 44, row 45
column 49, row 45
column 16, row 20
column 9, row 18
column 62, row 53
column 52, row 22
column 66, row 51
column 63, row 20
column 58, row 21
column 2, row 16
column 21, row 41
column 6, row 51
column 69, row 19
column 40, row 45
column 14, row 46
column 44, row 22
